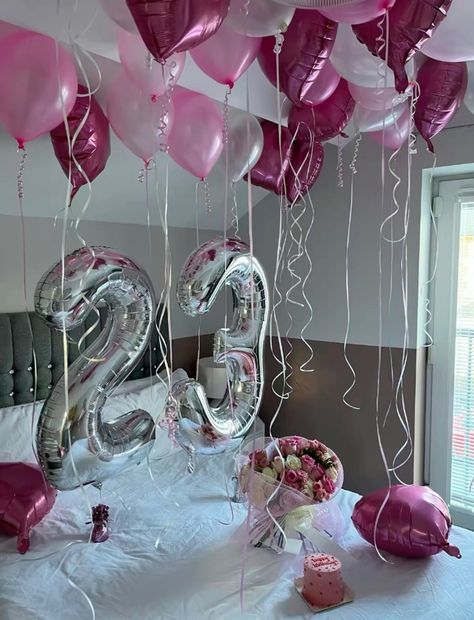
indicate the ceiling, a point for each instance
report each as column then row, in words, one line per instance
column 117, row 195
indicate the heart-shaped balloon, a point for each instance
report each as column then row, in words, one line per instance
column 92, row 145
column 411, row 23
column 306, row 162
column 169, row 27
column 270, row 170
column 25, row 498
column 442, row 89
column 414, row 523
column 326, row 120
column 306, row 48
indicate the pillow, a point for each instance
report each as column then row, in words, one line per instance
column 16, row 436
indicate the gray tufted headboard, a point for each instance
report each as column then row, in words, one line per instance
column 16, row 355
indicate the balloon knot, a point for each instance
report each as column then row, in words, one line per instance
column 452, row 550
column 230, row 84
column 21, row 144
column 154, row 98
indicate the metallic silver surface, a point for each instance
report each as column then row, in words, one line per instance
column 75, row 445
column 207, row 271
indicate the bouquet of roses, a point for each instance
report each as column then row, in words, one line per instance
column 282, row 479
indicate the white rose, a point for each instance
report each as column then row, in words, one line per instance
column 331, row 472
column 326, row 456
column 269, row 473
column 308, row 489
column 277, row 464
column 293, row 462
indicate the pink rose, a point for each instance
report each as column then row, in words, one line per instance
column 302, row 478
column 288, row 446
column 328, row 485
column 307, row 463
column 291, row 479
column 260, row 458
column 317, row 472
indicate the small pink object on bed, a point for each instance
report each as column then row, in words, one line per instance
column 25, row 499
column 322, row 585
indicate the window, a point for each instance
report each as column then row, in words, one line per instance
column 451, row 359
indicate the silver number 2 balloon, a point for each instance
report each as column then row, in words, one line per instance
column 213, row 265
column 75, row 445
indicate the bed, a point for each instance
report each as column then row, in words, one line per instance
column 178, row 547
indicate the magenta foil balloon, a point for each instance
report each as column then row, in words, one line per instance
column 306, row 162
column 92, row 145
column 442, row 89
column 306, row 48
column 170, row 26
column 38, row 84
column 411, row 23
column 270, row 170
column 226, row 55
column 196, row 139
column 326, row 120
column 25, row 499
column 414, row 523
column 357, row 12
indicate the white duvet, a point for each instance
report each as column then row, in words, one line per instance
column 176, row 553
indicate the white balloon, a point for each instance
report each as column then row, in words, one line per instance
column 353, row 61
column 377, row 98
column 469, row 97
column 119, row 12
column 245, row 145
column 349, row 131
column 258, row 18
column 375, row 120
column 453, row 40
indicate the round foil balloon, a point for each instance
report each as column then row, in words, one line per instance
column 75, row 445
column 245, row 145
column 25, row 499
column 414, row 523
column 259, row 18
column 38, row 84
column 91, row 148
column 213, row 266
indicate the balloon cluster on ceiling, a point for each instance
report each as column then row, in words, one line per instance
column 346, row 66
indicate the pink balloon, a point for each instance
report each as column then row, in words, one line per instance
column 170, row 26
column 326, row 120
column 411, row 23
column 394, row 136
column 151, row 77
column 25, row 499
column 414, row 523
column 442, row 89
column 357, row 12
column 196, row 139
column 32, row 67
column 226, row 55
column 270, row 170
column 141, row 124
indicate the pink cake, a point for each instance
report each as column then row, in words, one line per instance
column 322, row 580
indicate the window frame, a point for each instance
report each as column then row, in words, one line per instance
column 441, row 356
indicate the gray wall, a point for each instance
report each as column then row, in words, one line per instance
column 43, row 248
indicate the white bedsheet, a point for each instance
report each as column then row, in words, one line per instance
column 194, row 572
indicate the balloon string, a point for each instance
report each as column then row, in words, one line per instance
column 348, row 307
column 200, row 316
column 432, row 276
column 207, row 196
column 235, row 211
column 340, row 163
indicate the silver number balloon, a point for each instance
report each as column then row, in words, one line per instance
column 207, row 271
column 75, row 445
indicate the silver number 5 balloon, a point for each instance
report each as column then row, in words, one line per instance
column 213, row 265
column 75, row 445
